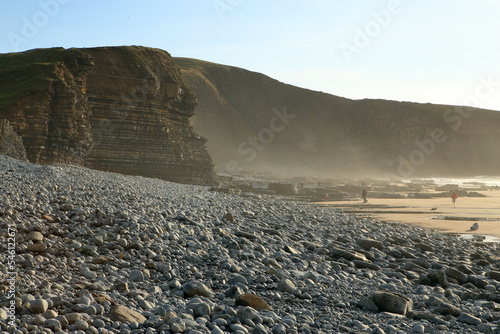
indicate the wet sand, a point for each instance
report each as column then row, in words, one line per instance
column 467, row 210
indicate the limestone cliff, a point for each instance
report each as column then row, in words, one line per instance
column 120, row 109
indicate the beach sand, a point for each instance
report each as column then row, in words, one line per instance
column 418, row 212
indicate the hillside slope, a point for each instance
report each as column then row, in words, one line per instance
column 252, row 121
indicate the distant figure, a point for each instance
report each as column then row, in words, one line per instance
column 364, row 194
column 474, row 227
column 326, row 197
column 454, row 197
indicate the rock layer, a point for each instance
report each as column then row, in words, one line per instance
column 120, row 109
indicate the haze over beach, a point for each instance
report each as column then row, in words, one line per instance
column 249, row 166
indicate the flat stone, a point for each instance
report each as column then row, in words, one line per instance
column 196, row 288
column 254, row 301
column 290, row 250
column 123, row 313
column 39, row 247
column 67, row 207
column 286, row 286
column 102, row 259
column 469, row 319
column 369, row 243
column 347, row 254
column 494, row 275
column 366, row 265
column 392, row 302
column 34, row 236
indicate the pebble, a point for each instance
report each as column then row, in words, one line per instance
column 53, row 324
column 38, row 306
column 159, row 257
column 136, row 276
column 82, row 325
column 34, row 236
column 419, row 329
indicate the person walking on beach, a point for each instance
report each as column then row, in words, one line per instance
column 364, row 194
column 454, row 197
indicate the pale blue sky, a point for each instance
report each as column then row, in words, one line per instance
column 438, row 51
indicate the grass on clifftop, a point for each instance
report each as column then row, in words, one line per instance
column 195, row 64
column 30, row 71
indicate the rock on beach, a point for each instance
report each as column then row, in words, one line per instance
column 123, row 313
column 133, row 255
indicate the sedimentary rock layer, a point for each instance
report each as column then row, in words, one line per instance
column 120, row 109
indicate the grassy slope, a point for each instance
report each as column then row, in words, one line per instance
column 334, row 130
column 30, row 71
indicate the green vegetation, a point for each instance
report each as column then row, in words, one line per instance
column 22, row 73
column 195, row 64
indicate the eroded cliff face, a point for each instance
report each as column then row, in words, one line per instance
column 120, row 109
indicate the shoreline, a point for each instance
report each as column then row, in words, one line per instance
column 436, row 213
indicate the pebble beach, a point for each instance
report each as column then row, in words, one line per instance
column 85, row 251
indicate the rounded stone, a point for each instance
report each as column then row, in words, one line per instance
column 35, row 236
column 82, row 325
column 419, row 329
column 247, row 313
column 136, row 276
column 53, row 324
column 50, row 314
column 99, row 323
column 39, row 320
column 38, row 306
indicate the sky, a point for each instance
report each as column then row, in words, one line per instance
column 428, row 51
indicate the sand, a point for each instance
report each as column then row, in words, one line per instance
column 418, row 212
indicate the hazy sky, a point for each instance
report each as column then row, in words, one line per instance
column 438, row 51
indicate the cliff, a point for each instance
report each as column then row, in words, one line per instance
column 119, row 109
column 252, row 121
